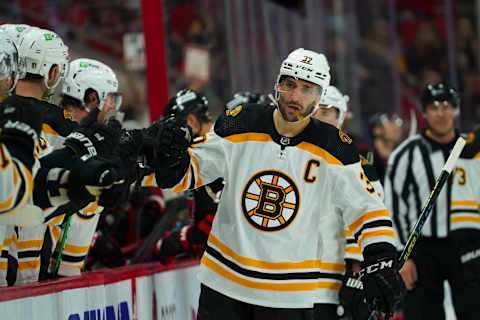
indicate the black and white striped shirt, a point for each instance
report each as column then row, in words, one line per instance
column 412, row 170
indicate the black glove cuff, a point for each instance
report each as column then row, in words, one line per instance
column 377, row 251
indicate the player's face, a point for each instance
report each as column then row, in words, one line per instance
column 297, row 98
column 327, row 114
column 92, row 100
column 440, row 117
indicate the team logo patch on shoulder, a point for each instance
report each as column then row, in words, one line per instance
column 344, row 137
column 270, row 200
column 234, row 112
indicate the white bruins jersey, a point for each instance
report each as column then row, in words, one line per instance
column 16, row 180
column 465, row 194
column 277, row 237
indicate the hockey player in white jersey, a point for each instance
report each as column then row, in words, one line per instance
column 46, row 60
column 332, row 110
column 90, row 86
column 287, row 175
column 18, row 137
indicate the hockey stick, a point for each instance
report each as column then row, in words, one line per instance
column 427, row 209
column 62, row 245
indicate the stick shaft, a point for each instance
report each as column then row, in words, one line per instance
column 62, row 245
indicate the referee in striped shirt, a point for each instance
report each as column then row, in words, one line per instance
column 411, row 173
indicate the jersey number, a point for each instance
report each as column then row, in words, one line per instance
column 462, row 176
column 369, row 187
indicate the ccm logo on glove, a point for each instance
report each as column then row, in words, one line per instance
column 377, row 266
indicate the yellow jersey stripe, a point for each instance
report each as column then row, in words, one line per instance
column 368, row 216
column 308, row 264
column 309, row 286
column 372, row 234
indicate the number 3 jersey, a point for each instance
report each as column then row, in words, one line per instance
column 277, row 238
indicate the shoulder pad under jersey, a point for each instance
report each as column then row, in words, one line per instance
column 242, row 119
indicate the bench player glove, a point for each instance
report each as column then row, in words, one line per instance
column 20, row 126
column 383, row 285
column 94, row 140
column 172, row 140
column 352, row 298
column 83, row 183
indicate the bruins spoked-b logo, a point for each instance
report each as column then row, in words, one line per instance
column 270, row 200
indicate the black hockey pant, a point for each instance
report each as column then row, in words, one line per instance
column 438, row 260
column 216, row 306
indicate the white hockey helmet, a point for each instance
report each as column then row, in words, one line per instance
column 87, row 74
column 16, row 31
column 41, row 50
column 332, row 97
column 10, row 67
column 306, row 65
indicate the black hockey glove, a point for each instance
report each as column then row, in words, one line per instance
column 149, row 135
column 171, row 158
column 83, row 183
column 383, row 285
column 128, row 152
column 20, row 123
column 115, row 196
column 352, row 298
column 95, row 140
column 173, row 139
